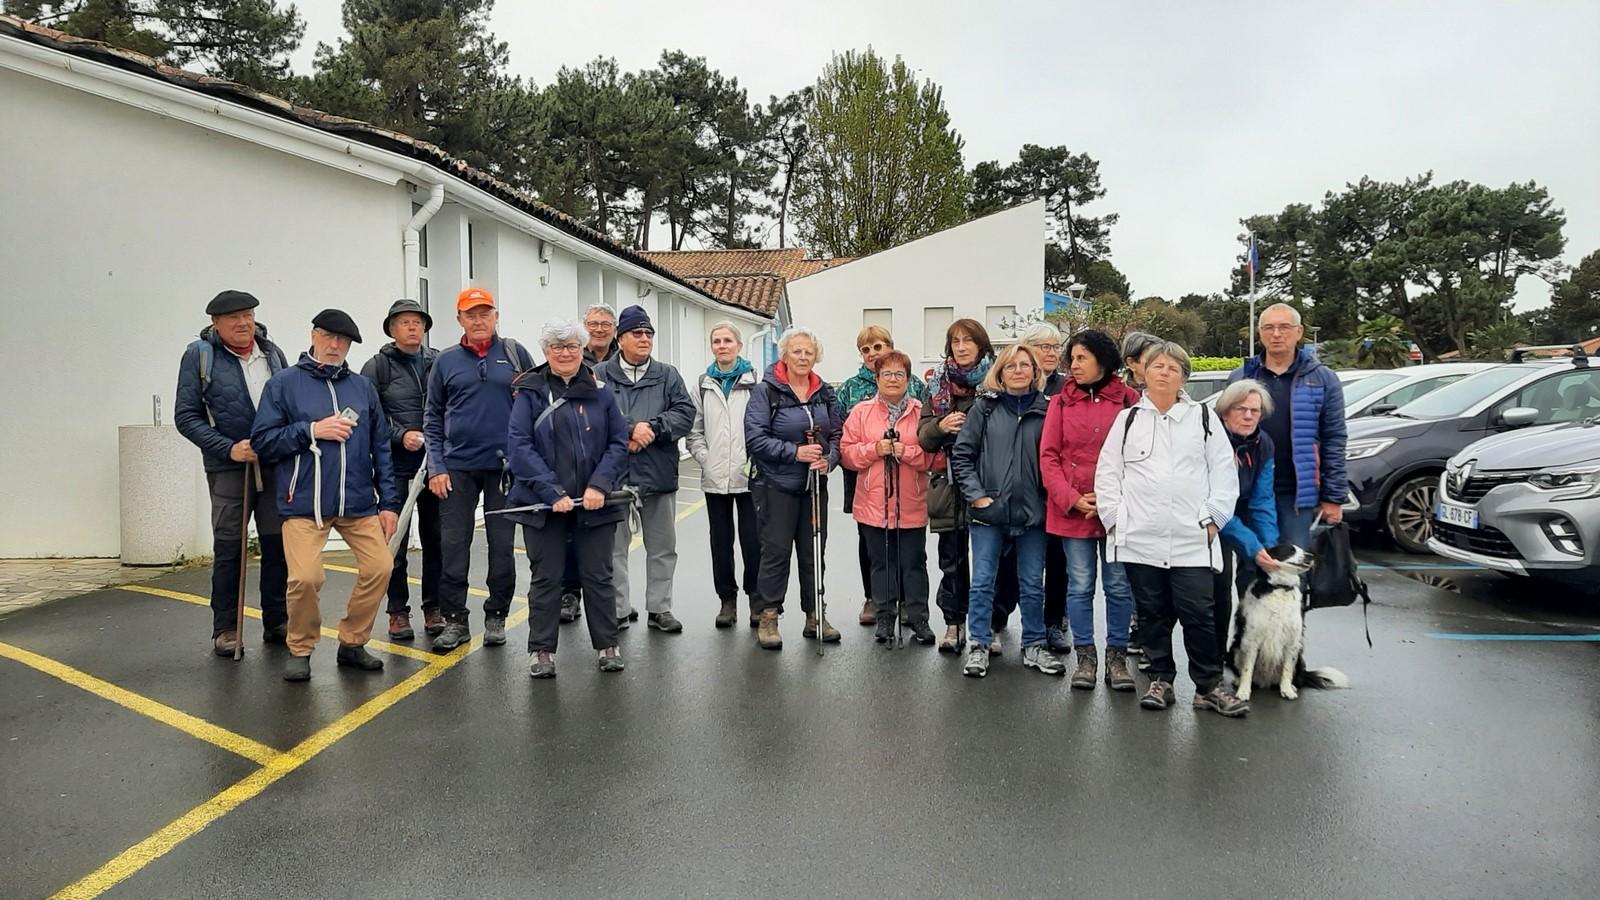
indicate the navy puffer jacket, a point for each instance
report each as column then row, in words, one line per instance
column 403, row 390
column 1316, row 424
column 775, row 425
column 325, row 479
column 228, row 397
column 583, row 444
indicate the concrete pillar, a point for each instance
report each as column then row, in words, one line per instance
column 160, row 496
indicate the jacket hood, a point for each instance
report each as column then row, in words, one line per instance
column 1041, row 403
column 318, row 370
column 748, row 378
column 584, row 384
column 209, row 333
column 1114, row 389
column 776, row 378
column 1535, row 448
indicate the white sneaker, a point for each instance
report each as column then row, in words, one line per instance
column 977, row 664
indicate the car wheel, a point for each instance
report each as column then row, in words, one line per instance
column 1409, row 512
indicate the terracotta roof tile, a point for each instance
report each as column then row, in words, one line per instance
column 789, row 263
column 759, row 293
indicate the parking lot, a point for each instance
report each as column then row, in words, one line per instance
column 1461, row 763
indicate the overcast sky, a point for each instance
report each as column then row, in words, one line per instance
column 1200, row 113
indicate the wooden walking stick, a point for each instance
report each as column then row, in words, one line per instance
column 244, row 561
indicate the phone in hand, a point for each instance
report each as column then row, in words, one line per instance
column 350, row 415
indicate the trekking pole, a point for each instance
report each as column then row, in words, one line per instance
column 815, row 485
column 890, row 491
column 244, row 561
column 899, row 570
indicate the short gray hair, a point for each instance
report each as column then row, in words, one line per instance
column 1041, row 333
column 561, row 331
column 1240, row 391
column 1292, row 312
column 601, row 308
column 725, row 325
column 799, row 331
column 1136, row 343
column 1171, row 350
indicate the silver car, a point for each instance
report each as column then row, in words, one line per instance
column 1526, row 503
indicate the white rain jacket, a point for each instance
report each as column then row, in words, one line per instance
column 717, row 439
column 1158, row 479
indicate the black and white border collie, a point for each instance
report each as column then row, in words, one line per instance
column 1269, row 631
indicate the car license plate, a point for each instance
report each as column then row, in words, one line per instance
column 1455, row 514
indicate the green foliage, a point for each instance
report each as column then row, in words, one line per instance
column 1382, row 344
column 1574, row 311
column 1496, row 341
column 886, row 164
column 1340, row 353
column 1067, row 182
column 1215, row 363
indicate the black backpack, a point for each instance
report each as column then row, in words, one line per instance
column 1334, row 578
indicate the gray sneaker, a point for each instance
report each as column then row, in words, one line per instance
column 454, row 635
column 494, row 632
column 1222, row 699
column 1039, row 657
column 977, row 661
column 542, row 664
column 611, row 659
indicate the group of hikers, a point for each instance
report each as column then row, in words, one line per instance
column 1051, row 470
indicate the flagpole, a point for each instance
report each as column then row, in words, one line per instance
column 1250, row 263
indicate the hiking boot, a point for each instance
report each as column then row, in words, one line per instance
column 869, row 613
column 830, row 635
column 726, row 615
column 355, row 656
column 1039, row 657
column 1056, row 640
column 921, row 633
column 954, row 637
column 1118, row 678
column 1222, row 699
column 453, row 635
column 541, row 664
column 885, row 632
column 977, row 664
column 767, row 636
column 277, row 634
column 494, row 632
column 664, row 622
column 225, row 643
column 298, row 668
column 1159, row 696
column 432, row 622
column 1086, row 672
column 400, row 627
column 610, row 660
column 571, row 608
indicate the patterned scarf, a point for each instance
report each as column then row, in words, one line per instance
column 951, row 381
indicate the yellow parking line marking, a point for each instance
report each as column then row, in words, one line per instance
column 254, row 613
column 254, row 751
column 638, row 539
column 131, row 860
column 475, row 592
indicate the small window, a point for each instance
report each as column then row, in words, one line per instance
column 1001, row 321
column 422, row 292
column 471, row 269
column 935, row 322
column 883, row 317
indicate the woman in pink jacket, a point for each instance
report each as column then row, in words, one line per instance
column 891, row 501
column 1076, row 425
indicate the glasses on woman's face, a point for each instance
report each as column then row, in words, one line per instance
column 872, row 348
column 564, row 348
column 1247, row 410
column 1047, row 348
column 1021, row 366
column 892, row 375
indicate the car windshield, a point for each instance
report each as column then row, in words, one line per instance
column 1201, row 388
column 1362, row 388
column 1454, row 399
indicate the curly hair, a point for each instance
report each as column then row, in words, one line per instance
column 1100, row 346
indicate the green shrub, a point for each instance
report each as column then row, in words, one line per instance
column 1215, row 363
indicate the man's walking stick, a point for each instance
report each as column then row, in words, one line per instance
column 244, row 560
column 402, row 529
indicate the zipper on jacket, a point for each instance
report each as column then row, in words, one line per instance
column 335, row 397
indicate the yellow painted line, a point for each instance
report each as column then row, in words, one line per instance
column 638, row 539
column 254, row 613
column 131, row 860
column 254, row 751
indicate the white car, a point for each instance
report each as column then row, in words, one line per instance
column 1386, row 390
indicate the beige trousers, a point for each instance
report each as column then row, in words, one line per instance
column 302, row 550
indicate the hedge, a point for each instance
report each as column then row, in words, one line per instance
column 1215, row 363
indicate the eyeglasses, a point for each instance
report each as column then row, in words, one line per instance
column 642, row 333
column 1017, row 367
column 1046, row 348
column 875, row 348
column 1278, row 329
column 892, row 375
column 563, row 348
column 600, row 325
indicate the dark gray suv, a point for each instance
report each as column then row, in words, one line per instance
column 1526, row 503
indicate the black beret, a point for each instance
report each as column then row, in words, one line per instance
column 229, row 302
column 337, row 321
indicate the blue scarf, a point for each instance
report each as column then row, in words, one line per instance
column 726, row 380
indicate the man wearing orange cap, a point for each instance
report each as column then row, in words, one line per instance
column 465, row 422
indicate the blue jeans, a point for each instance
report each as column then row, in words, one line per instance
column 988, row 543
column 1082, row 554
column 1294, row 525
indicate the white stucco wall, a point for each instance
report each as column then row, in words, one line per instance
column 997, row 260
column 118, row 226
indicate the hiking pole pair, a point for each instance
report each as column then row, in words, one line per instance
column 814, row 488
column 244, row 560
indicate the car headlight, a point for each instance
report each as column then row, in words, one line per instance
column 1573, row 484
column 1367, row 448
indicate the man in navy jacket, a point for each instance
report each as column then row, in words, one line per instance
column 465, row 421
column 323, row 427
column 220, row 381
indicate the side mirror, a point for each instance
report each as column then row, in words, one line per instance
column 1519, row 416
column 1383, row 409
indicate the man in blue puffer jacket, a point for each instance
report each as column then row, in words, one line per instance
column 1308, row 429
column 220, row 381
column 324, row 429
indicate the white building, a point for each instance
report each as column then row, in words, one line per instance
column 134, row 194
column 990, row 270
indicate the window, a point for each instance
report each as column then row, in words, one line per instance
column 1566, row 397
column 422, row 239
column 1412, row 391
column 884, row 317
column 470, row 272
column 993, row 316
column 935, row 322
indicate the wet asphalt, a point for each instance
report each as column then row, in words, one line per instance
column 1460, row 768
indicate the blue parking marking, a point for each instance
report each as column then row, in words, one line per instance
column 1446, row 636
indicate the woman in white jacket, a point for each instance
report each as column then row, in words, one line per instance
column 1165, row 485
column 717, row 443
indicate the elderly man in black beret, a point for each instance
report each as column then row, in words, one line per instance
column 323, row 427
column 220, row 381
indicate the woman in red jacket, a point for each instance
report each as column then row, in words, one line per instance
column 1077, row 423
column 891, row 504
